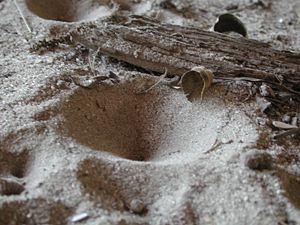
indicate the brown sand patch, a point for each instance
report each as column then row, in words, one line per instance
column 106, row 191
column 45, row 115
column 13, row 163
column 35, row 211
column 291, row 185
column 10, row 187
column 128, row 186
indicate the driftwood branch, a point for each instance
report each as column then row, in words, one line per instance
column 158, row 47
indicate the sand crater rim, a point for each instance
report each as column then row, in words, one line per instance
column 140, row 127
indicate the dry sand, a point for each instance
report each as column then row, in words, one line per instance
column 114, row 156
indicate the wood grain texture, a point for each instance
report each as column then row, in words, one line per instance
column 154, row 46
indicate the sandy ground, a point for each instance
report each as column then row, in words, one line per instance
column 114, row 156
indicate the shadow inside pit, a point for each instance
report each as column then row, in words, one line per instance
column 13, row 163
column 113, row 119
column 69, row 11
column 10, row 187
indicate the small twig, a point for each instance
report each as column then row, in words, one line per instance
column 92, row 64
column 287, row 133
column 173, row 82
column 250, row 79
column 203, row 89
column 161, row 78
column 22, row 16
column 250, row 6
column 217, row 144
column 285, row 87
column 214, row 146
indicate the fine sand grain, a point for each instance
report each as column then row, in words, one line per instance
column 112, row 154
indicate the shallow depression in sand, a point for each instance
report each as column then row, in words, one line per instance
column 69, row 10
column 153, row 126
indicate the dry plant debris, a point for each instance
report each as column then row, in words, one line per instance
column 195, row 82
column 146, row 43
column 282, row 125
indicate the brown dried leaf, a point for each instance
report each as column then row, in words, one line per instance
column 195, row 82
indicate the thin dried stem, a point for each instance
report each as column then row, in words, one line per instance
column 22, row 16
column 92, row 64
column 287, row 133
column 161, row 78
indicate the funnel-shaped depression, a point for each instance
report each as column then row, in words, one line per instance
column 141, row 127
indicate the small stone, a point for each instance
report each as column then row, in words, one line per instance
column 50, row 60
column 266, row 91
column 71, row 145
column 294, row 121
column 286, row 118
column 79, row 217
column 280, row 23
column 259, row 161
column 38, row 61
column 261, row 121
column 137, row 206
column 263, row 104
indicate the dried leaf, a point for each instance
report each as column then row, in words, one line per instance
column 282, row 125
column 195, row 82
column 230, row 23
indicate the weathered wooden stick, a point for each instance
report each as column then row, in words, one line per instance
column 158, row 47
